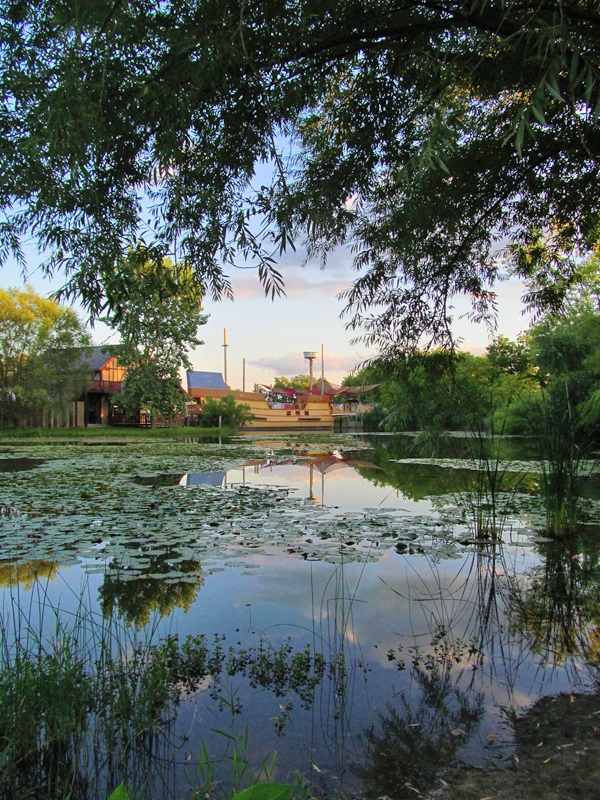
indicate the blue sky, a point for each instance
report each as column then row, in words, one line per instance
column 272, row 335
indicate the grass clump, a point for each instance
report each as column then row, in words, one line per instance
column 44, row 703
column 76, row 706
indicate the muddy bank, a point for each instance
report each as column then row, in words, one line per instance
column 558, row 757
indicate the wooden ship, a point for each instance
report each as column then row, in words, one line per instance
column 272, row 409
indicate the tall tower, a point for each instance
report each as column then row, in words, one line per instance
column 310, row 356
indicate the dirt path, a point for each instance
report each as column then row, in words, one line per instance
column 558, row 757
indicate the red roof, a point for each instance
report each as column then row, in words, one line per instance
column 358, row 389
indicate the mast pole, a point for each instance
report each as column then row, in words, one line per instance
column 322, row 371
column 225, row 354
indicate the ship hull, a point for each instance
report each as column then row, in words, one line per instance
column 307, row 414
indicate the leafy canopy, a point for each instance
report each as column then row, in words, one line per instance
column 426, row 136
column 156, row 308
column 301, row 382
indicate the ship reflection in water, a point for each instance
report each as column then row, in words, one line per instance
column 328, row 478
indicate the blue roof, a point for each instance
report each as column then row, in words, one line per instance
column 205, row 380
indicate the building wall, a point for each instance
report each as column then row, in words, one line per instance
column 111, row 371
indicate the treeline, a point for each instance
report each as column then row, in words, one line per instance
column 547, row 378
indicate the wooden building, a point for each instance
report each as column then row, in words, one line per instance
column 106, row 381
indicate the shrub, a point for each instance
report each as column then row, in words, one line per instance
column 227, row 411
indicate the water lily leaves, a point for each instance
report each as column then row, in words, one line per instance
column 107, row 506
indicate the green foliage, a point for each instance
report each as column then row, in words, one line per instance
column 505, row 357
column 543, row 385
column 564, row 447
column 421, row 134
column 435, row 391
column 301, row 382
column 564, row 411
column 488, row 497
column 557, row 277
column 40, row 355
column 258, row 791
column 366, row 376
column 266, row 791
column 43, row 712
column 155, row 306
column 226, row 412
column 120, row 793
column 246, row 778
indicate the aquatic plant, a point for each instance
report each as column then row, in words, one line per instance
column 91, row 704
column 557, row 606
column 80, row 702
column 257, row 791
column 44, row 702
column 110, row 518
column 565, row 446
column 488, row 499
column 243, row 774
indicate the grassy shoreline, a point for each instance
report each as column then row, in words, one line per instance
column 110, row 434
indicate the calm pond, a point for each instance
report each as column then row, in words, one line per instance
column 356, row 625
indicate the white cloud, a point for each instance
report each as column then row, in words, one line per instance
column 336, row 365
column 300, row 279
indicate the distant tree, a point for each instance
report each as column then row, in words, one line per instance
column 436, row 391
column 509, row 358
column 40, row 354
column 564, row 412
column 508, row 378
column 226, row 412
column 566, row 352
column 301, row 382
column 156, row 308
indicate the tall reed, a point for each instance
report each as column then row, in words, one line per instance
column 79, row 701
column 565, row 447
column 488, row 498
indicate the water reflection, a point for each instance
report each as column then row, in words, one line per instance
column 169, row 582
column 419, row 735
column 214, row 478
column 19, row 464
column 327, row 479
column 557, row 612
column 437, row 645
column 27, row 574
